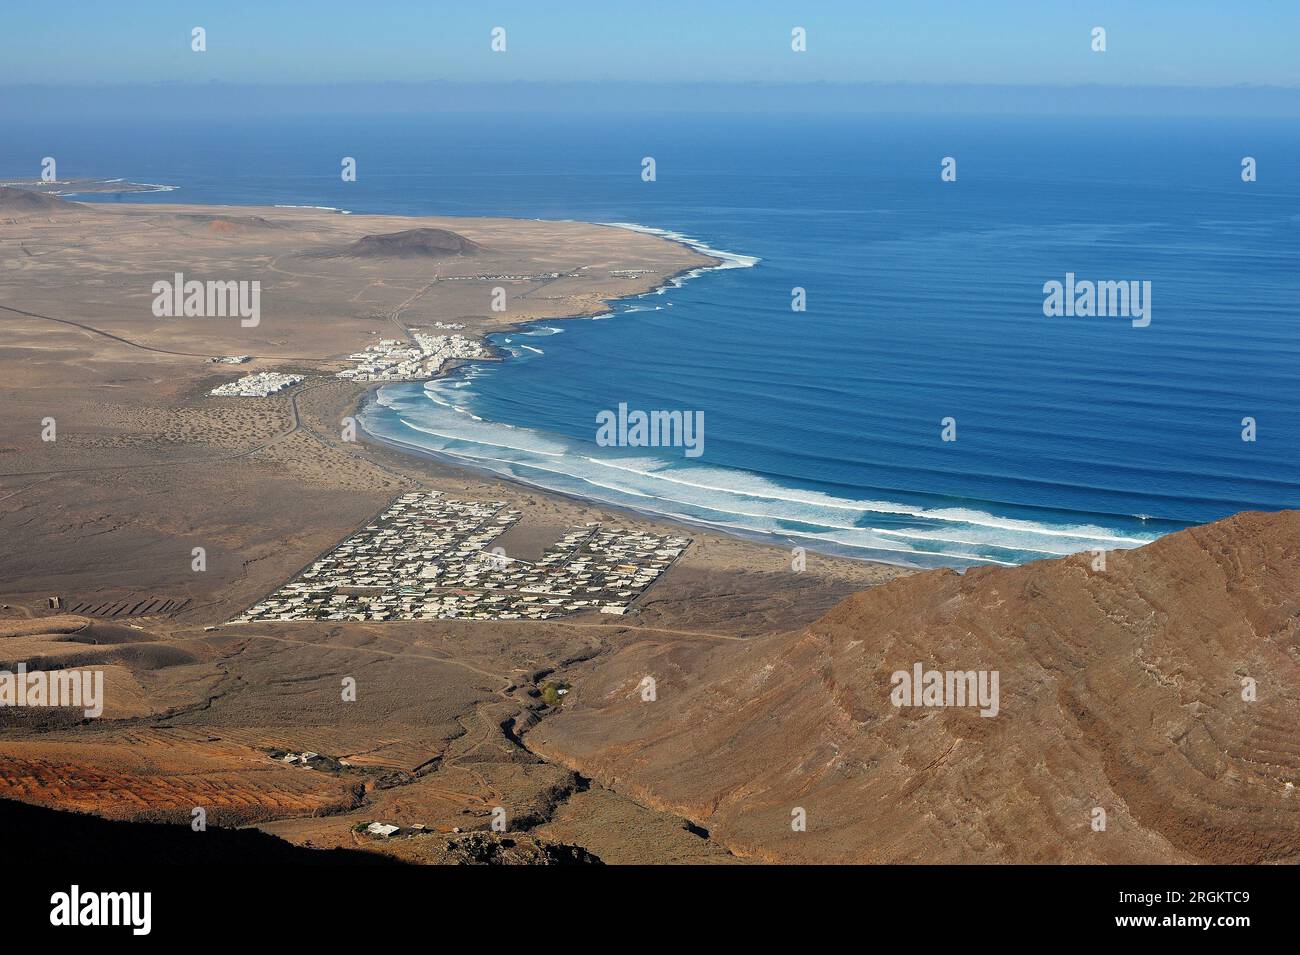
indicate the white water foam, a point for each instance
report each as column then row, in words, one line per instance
column 728, row 498
column 342, row 212
column 721, row 497
column 729, row 260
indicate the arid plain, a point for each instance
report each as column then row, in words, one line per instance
column 145, row 466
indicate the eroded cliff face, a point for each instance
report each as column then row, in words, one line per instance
column 1120, row 690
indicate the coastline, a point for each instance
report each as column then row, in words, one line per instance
column 723, row 260
column 815, row 538
column 812, row 537
column 549, row 260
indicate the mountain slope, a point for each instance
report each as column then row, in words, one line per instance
column 1119, row 689
column 21, row 202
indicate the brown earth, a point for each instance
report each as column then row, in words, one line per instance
column 146, row 467
column 1120, row 689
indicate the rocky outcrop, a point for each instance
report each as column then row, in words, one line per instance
column 413, row 244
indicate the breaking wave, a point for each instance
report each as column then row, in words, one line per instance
column 910, row 529
column 423, row 417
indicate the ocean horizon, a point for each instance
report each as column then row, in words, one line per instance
column 924, row 305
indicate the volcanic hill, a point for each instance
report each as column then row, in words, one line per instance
column 1124, row 689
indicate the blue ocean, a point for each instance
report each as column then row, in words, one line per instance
column 924, row 303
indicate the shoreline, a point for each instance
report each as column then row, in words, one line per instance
column 987, row 535
column 878, row 555
column 724, row 260
column 683, row 523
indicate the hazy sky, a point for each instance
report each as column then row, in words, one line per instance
column 1160, row 42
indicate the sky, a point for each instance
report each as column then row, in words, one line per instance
column 1194, row 43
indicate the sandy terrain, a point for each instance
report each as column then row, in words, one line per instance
column 146, row 467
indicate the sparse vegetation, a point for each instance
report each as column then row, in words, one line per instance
column 553, row 693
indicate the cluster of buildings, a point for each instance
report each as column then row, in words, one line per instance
column 386, row 830
column 394, row 360
column 258, row 385
column 230, row 359
column 427, row 557
column 503, row 277
column 313, row 760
